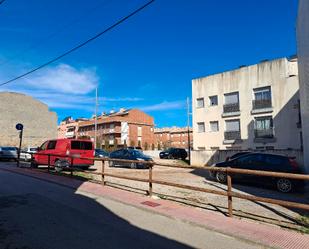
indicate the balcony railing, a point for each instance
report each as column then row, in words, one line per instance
column 264, row 133
column 231, row 135
column 261, row 104
column 234, row 107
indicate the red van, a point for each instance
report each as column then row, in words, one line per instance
column 62, row 151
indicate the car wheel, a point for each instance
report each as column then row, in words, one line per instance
column 58, row 166
column 221, row 177
column 34, row 165
column 133, row 166
column 284, row 185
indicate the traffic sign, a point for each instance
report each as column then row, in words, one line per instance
column 19, row 126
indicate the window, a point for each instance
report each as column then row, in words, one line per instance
column 200, row 102
column 43, row 146
column 262, row 98
column 231, row 98
column 81, row 145
column 213, row 100
column 263, row 93
column 232, row 125
column 214, row 126
column 52, row 145
column 139, row 131
column 264, row 127
column 201, row 127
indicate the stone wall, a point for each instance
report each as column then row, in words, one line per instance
column 39, row 123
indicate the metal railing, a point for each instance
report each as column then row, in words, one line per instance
column 234, row 107
column 264, row 133
column 229, row 193
column 261, row 104
column 232, row 135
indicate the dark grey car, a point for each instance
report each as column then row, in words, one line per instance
column 9, row 153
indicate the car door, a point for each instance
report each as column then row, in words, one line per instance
column 50, row 149
column 251, row 162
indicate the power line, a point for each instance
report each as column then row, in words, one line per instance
column 50, row 36
column 80, row 45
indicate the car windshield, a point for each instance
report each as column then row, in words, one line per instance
column 137, row 153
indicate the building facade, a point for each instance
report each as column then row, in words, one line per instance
column 68, row 127
column 172, row 137
column 253, row 107
column 303, row 60
column 39, row 123
column 126, row 127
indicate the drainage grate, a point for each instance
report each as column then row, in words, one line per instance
column 150, row 204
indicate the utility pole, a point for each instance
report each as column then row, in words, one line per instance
column 96, row 118
column 188, row 126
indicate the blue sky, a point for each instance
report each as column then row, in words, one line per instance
column 148, row 62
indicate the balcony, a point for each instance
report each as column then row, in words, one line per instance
column 231, row 110
column 261, row 106
column 264, row 135
column 69, row 134
column 232, row 135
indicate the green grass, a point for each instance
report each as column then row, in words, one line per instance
column 304, row 220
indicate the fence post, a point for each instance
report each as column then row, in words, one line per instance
column 150, row 180
column 229, row 192
column 102, row 174
column 71, row 166
column 48, row 165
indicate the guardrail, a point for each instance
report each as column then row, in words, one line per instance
column 229, row 171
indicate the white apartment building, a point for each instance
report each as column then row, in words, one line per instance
column 252, row 107
column 303, row 55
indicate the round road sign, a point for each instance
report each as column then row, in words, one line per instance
column 19, row 126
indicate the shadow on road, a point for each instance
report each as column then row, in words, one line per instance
column 36, row 214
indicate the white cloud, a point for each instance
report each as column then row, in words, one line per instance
column 165, row 105
column 65, row 78
column 65, row 87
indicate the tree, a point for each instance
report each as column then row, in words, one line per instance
column 139, row 144
column 106, row 144
column 159, row 146
column 152, row 147
column 145, row 146
column 132, row 143
column 115, row 144
column 125, row 144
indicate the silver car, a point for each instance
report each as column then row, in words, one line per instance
column 9, row 153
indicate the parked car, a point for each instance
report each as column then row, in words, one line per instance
column 8, row 153
column 135, row 148
column 129, row 154
column 61, row 149
column 265, row 162
column 237, row 155
column 100, row 153
column 174, row 153
column 26, row 153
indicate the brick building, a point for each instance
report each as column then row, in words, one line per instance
column 172, row 137
column 130, row 127
column 68, row 127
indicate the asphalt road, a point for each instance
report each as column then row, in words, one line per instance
column 35, row 214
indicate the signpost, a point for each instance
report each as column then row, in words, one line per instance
column 20, row 128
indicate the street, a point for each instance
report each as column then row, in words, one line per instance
column 36, row 214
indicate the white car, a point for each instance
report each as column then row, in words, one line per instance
column 26, row 154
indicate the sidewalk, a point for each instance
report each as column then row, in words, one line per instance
column 259, row 233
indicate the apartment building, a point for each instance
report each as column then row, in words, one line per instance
column 303, row 55
column 252, row 107
column 130, row 127
column 172, row 137
column 68, row 127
